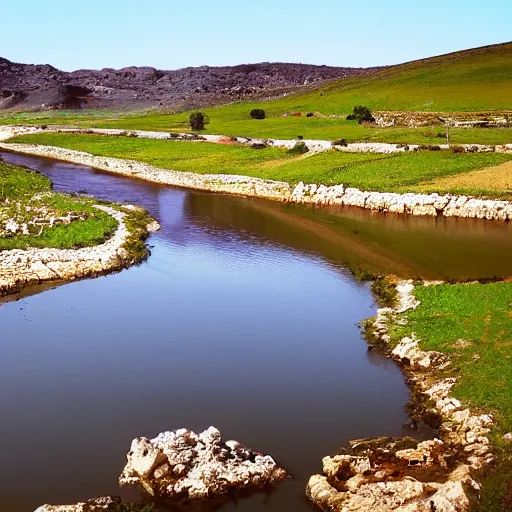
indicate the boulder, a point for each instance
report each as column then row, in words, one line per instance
column 187, row 466
column 387, row 474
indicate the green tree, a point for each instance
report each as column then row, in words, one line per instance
column 198, row 120
column 257, row 113
column 361, row 114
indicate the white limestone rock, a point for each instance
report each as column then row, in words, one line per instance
column 189, row 466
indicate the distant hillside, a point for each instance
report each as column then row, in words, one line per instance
column 470, row 80
column 41, row 87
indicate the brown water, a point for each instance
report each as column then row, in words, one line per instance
column 244, row 317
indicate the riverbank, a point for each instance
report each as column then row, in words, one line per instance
column 459, row 474
column 440, row 474
column 46, row 236
column 433, row 204
column 29, row 267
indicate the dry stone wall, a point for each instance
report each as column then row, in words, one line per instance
column 22, row 268
column 446, row 205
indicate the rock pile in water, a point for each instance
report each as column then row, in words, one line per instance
column 189, row 466
column 182, row 467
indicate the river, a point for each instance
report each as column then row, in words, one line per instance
column 244, row 317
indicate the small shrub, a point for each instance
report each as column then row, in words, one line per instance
column 310, row 114
column 429, row 147
column 385, row 292
column 300, row 137
column 299, row 149
column 198, row 120
column 257, row 113
column 339, row 142
column 458, row 149
column 362, row 114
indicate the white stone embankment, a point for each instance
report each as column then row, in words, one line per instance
column 22, row 268
column 406, row 475
column 446, row 205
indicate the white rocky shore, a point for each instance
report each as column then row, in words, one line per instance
column 182, row 467
column 21, row 268
column 433, row 205
column 406, row 475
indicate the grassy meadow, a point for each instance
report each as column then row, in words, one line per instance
column 22, row 191
column 473, row 324
column 399, row 172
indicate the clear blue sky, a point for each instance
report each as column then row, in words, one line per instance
column 170, row 34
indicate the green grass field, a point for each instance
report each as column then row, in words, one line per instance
column 399, row 172
column 235, row 123
column 473, row 323
column 21, row 189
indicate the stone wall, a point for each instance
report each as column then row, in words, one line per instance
column 21, row 268
column 433, row 205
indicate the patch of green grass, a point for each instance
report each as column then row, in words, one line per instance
column 21, row 189
column 233, row 120
column 473, row 323
column 136, row 222
column 15, row 182
column 399, row 172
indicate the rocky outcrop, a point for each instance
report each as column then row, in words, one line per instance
column 183, row 465
column 183, row 469
column 404, row 474
column 42, row 87
column 22, row 268
column 382, row 475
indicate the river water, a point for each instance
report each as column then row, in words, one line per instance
column 244, row 317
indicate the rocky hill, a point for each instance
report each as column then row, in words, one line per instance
column 40, row 87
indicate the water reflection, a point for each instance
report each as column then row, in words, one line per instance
column 245, row 317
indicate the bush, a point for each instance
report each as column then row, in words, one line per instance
column 458, row 149
column 198, row 120
column 429, row 147
column 310, row 114
column 299, row 149
column 339, row 142
column 300, row 137
column 361, row 114
column 257, row 113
